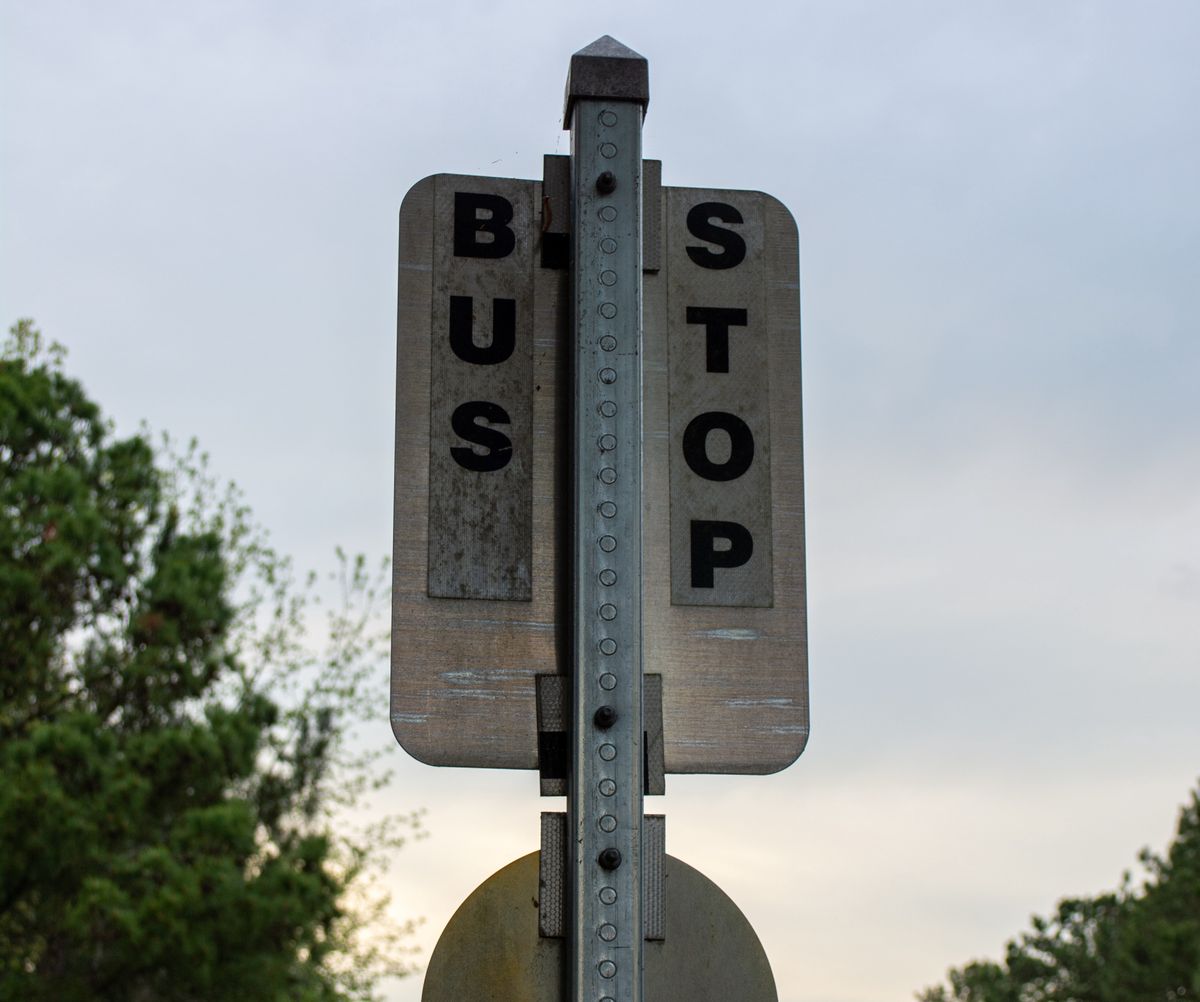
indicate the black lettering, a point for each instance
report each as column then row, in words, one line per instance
column 695, row 446
column 464, row 421
column 699, row 224
column 462, row 331
column 705, row 555
column 717, row 321
column 468, row 227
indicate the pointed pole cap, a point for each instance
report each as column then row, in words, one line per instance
column 606, row 69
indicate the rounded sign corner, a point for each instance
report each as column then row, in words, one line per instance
column 773, row 204
column 421, row 189
column 407, row 740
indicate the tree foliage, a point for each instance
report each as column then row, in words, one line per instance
column 1131, row 945
column 172, row 755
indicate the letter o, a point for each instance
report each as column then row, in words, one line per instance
column 695, row 445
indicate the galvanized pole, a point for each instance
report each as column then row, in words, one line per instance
column 607, row 93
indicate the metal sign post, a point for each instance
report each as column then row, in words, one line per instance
column 607, row 92
column 599, row 539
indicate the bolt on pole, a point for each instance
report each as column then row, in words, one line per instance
column 607, row 93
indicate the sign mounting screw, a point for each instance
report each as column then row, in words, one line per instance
column 610, row 858
column 605, row 717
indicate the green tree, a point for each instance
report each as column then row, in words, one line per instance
column 1130, row 945
column 172, row 757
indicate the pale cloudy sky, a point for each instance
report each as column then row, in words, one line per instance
column 1000, row 268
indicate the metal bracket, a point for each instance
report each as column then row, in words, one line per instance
column 553, row 734
column 554, row 727
column 556, row 213
column 552, row 877
column 652, row 736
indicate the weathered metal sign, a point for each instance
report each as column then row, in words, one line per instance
column 492, row 949
column 481, row 473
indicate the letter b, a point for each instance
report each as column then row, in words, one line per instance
column 468, row 227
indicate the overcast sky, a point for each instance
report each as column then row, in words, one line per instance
column 1000, row 278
